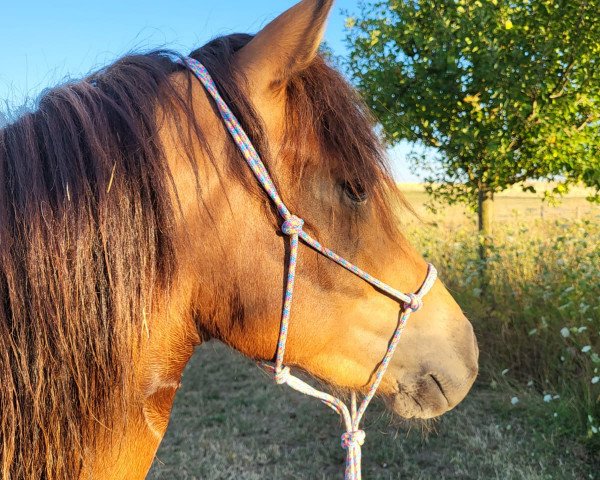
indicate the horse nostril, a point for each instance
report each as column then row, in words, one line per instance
column 439, row 385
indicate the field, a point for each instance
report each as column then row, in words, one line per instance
column 533, row 414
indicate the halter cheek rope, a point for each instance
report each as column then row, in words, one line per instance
column 354, row 437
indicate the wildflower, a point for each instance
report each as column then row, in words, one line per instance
column 514, row 400
column 547, row 398
column 586, row 349
column 505, row 371
column 595, row 379
column 565, row 332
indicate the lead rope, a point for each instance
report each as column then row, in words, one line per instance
column 354, row 437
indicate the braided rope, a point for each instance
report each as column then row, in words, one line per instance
column 292, row 226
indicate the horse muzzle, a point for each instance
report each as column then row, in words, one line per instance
column 434, row 388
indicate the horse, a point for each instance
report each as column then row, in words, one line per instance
column 131, row 231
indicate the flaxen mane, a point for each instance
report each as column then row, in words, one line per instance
column 85, row 235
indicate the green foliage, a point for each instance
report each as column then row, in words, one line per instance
column 544, row 332
column 505, row 91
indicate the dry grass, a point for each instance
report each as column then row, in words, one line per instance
column 231, row 422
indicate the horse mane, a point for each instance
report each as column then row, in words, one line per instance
column 85, row 241
column 86, row 225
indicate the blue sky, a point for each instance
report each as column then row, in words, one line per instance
column 46, row 41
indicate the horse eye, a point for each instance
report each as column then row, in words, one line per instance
column 354, row 191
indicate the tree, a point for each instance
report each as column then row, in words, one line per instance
column 505, row 91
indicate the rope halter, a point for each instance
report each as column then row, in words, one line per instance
column 292, row 226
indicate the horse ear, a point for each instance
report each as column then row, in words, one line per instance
column 285, row 46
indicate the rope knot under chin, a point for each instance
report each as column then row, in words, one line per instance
column 351, row 439
column 416, row 302
column 282, row 376
column 292, row 226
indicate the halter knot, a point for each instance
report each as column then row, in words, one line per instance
column 416, row 302
column 282, row 375
column 292, row 226
column 351, row 439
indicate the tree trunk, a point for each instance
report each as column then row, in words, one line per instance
column 485, row 215
column 485, row 211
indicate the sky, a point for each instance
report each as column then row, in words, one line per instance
column 45, row 42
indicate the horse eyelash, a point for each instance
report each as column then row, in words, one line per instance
column 354, row 191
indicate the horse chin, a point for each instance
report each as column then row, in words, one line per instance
column 409, row 407
column 423, row 401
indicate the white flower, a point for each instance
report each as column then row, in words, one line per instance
column 505, row 371
column 514, row 400
column 586, row 349
column 547, row 398
column 565, row 332
column 595, row 380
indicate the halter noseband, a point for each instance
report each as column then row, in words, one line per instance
column 292, row 226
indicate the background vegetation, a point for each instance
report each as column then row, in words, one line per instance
column 504, row 91
column 539, row 320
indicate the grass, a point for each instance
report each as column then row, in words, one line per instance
column 230, row 421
